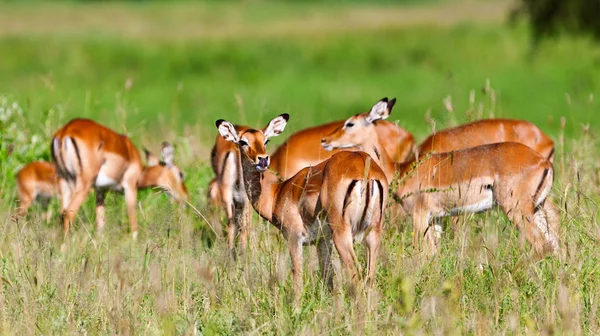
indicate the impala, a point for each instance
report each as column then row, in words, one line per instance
column 37, row 181
column 510, row 174
column 89, row 155
column 342, row 199
column 487, row 131
column 302, row 148
column 227, row 190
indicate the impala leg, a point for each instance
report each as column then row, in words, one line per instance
column 324, row 249
column 82, row 190
column 47, row 210
column 242, row 218
column 295, row 247
column 100, row 209
column 345, row 248
column 522, row 215
column 547, row 218
column 25, row 203
column 424, row 231
column 372, row 243
column 131, row 201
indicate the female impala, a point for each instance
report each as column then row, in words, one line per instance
column 36, row 181
column 470, row 180
column 302, row 148
column 487, row 131
column 227, row 190
column 342, row 198
column 88, row 155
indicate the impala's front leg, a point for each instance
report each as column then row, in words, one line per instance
column 423, row 231
column 100, row 209
column 324, row 249
column 295, row 247
column 131, row 200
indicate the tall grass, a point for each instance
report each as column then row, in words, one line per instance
column 178, row 278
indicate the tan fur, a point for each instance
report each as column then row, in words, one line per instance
column 316, row 205
column 36, row 181
column 487, row 131
column 89, row 155
column 510, row 174
column 227, row 190
column 302, row 149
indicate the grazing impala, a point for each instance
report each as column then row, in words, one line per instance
column 37, row 181
column 227, row 190
column 510, row 174
column 302, row 148
column 342, row 199
column 88, row 155
column 487, row 131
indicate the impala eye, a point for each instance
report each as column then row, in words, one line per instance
column 349, row 124
column 181, row 175
column 243, row 142
column 266, row 142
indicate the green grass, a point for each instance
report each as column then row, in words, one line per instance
column 177, row 277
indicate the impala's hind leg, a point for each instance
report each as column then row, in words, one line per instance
column 521, row 213
column 547, row 219
column 372, row 243
column 423, row 230
column 343, row 243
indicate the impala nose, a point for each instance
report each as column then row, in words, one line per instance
column 263, row 162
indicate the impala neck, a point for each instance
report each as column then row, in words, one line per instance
column 148, row 178
column 260, row 188
column 374, row 147
column 393, row 170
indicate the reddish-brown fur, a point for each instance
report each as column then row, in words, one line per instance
column 36, row 181
column 341, row 199
column 89, row 155
column 510, row 174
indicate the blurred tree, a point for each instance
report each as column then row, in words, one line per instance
column 549, row 17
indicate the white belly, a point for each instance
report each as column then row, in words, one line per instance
column 104, row 181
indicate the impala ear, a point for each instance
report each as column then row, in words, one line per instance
column 381, row 110
column 276, row 126
column 227, row 131
column 167, row 154
column 151, row 159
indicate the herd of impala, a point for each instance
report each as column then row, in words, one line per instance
column 328, row 185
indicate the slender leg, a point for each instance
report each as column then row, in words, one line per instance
column 324, row 249
column 245, row 225
column 131, row 200
column 344, row 246
column 78, row 197
column 372, row 243
column 522, row 216
column 295, row 247
column 100, row 209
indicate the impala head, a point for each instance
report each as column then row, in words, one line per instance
column 356, row 130
column 164, row 174
column 252, row 142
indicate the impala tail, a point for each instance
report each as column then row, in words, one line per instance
column 544, row 187
column 363, row 204
column 66, row 155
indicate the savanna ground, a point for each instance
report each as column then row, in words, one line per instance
column 166, row 71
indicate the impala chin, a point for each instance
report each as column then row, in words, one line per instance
column 261, row 168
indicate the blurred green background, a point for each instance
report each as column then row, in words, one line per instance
column 148, row 67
